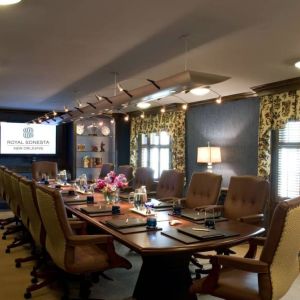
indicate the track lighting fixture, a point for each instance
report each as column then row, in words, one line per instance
column 54, row 113
column 100, row 123
column 112, row 121
column 184, row 106
column 99, row 98
column 126, row 118
column 66, row 109
column 142, row 115
column 219, row 100
column 163, row 110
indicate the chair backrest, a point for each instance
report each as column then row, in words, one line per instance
column 247, row 195
column 12, row 201
column 105, row 169
column 27, row 189
column 15, row 178
column 281, row 250
column 127, row 170
column 44, row 167
column 2, row 193
column 54, row 219
column 204, row 189
column 143, row 176
column 170, row 184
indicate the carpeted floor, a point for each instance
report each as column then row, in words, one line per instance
column 13, row 281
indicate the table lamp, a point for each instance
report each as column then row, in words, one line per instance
column 209, row 155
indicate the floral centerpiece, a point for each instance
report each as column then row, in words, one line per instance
column 111, row 185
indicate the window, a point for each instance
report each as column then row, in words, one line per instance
column 288, row 160
column 155, row 152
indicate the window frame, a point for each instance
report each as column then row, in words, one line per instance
column 148, row 146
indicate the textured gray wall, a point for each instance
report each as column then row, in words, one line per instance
column 234, row 127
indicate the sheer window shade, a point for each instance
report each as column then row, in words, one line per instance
column 288, row 171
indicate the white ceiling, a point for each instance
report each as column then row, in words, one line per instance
column 54, row 52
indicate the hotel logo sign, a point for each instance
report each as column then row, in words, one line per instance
column 28, row 132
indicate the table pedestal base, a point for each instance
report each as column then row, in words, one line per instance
column 164, row 277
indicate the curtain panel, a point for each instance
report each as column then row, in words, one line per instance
column 171, row 122
column 275, row 111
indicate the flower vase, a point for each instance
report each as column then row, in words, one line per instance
column 110, row 198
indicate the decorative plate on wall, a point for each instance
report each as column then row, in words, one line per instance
column 80, row 129
column 105, row 130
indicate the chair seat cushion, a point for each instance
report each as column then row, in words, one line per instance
column 233, row 285
column 89, row 258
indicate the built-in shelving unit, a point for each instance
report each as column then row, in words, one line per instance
column 94, row 145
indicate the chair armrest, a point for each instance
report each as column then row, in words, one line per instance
column 252, row 219
column 216, row 208
column 78, row 225
column 240, row 263
column 78, row 240
column 253, row 243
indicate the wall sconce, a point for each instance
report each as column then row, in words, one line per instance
column 209, row 155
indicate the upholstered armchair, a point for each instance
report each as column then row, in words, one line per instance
column 74, row 254
column 44, row 167
column 246, row 199
column 266, row 278
column 105, row 169
column 170, row 186
column 127, row 170
column 203, row 190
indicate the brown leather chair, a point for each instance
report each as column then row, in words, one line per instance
column 203, row 190
column 143, row 176
column 44, row 167
column 266, row 278
column 246, row 199
column 170, row 185
column 74, row 254
column 105, row 169
column 127, row 170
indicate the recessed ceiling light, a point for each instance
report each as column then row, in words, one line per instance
column 200, row 91
column 9, row 2
column 297, row 64
column 143, row 105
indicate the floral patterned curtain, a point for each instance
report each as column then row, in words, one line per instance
column 171, row 122
column 275, row 111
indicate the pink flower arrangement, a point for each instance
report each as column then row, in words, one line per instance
column 111, row 182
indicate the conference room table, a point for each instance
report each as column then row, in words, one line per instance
column 165, row 272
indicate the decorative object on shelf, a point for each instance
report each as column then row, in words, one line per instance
column 98, row 162
column 80, row 129
column 105, row 130
column 95, row 148
column 111, row 185
column 102, row 147
column 81, row 147
column 86, row 161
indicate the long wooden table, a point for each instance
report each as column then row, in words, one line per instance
column 165, row 270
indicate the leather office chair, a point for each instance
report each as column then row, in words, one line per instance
column 246, row 199
column 44, row 167
column 105, row 169
column 127, row 170
column 143, row 176
column 170, row 185
column 203, row 190
column 245, row 202
column 74, row 254
column 266, row 278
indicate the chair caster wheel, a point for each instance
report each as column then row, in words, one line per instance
column 27, row 295
column 34, row 280
column 18, row 265
column 7, row 250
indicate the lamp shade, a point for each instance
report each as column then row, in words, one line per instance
column 209, row 155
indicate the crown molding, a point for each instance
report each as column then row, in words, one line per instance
column 277, row 87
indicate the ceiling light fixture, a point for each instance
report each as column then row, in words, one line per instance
column 142, row 115
column 126, row 118
column 163, row 110
column 9, row 2
column 200, row 91
column 297, row 64
column 184, row 106
column 219, row 100
column 66, row 108
column 112, row 121
column 143, row 105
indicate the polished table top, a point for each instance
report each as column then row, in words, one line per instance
column 153, row 242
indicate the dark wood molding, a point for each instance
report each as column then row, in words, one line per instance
column 277, row 87
column 228, row 98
